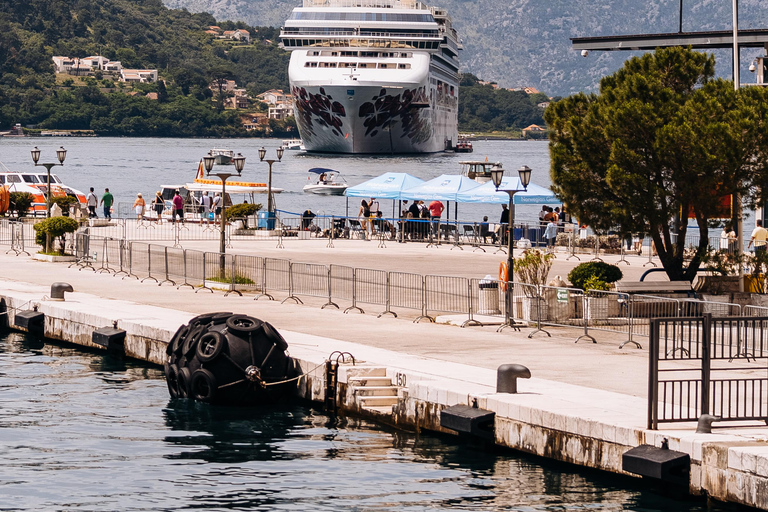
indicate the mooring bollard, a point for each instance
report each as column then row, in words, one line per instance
column 507, row 375
column 58, row 289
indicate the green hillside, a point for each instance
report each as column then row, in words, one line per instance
column 145, row 34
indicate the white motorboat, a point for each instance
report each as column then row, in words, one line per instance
column 292, row 144
column 325, row 182
column 223, row 156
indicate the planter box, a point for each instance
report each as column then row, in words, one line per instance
column 68, row 258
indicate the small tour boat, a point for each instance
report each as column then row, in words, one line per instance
column 36, row 183
column 325, row 182
column 477, row 170
column 293, row 144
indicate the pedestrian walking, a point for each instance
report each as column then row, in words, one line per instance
column 138, row 206
column 92, row 202
column 178, row 207
column 107, row 200
column 159, row 205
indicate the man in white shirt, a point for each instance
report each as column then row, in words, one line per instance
column 759, row 238
column 92, row 202
column 217, row 205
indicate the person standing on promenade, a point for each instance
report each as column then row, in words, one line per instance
column 159, row 205
column 550, row 233
column 363, row 216
column 503, row 221
column 760, row 238
column 435, row 212
column 178, row 207
column 107, row 200
column 205, row 206
column 92, row 202
column 138, row 205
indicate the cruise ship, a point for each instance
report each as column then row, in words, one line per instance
column 373, row 76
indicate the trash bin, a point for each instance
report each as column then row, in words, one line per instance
column 267, row 220
column 489, row 297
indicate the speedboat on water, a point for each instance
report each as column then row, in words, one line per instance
column 325, row 182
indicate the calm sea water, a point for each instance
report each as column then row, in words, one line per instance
column 87, row 432
column 131, row 165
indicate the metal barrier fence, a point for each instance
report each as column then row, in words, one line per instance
column 707, row 365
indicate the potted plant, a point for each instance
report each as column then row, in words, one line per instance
column 532, row 270
column 241, row 212
column 595, row 277
column 723, row 268
column 754, row 281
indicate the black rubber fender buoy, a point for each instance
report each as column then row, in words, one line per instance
column 275, row 337
column 183, row 382
column 172, row 380
column 243, row 324
column 220, row 318
column 210, row 346
column 190, row 340
column 201, row 319
column 176, row 339
column 203, row 386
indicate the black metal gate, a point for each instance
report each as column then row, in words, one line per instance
column 705, row 365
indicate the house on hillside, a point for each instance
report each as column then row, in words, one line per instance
column 238, row 101
column 275, row 97
column 84, row 66
column 280, row 112
column 543, row 104
column 530, row 90
column 138, row 75
column 237, row 35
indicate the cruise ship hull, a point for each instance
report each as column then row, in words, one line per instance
column 356, row 118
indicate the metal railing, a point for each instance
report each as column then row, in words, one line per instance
column 707, row 365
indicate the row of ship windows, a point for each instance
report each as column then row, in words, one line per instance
column 361, row 65
column 362, row 16
column 328, row 53
column 371, row 43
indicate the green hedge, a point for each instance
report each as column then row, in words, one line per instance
column 605, row 272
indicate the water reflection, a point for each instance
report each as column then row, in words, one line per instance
column 96, row 432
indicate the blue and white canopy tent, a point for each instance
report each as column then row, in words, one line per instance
column 387, row 186
column 487, row 193
column 445, row 187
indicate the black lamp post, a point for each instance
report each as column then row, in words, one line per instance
column 262, row 154
column 61, row 154
column 208, row 161
column 497, row 173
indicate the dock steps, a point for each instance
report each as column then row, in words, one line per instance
column 373, row 391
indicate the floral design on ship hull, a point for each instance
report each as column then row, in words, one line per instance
column 319, row 108
column 383, row 109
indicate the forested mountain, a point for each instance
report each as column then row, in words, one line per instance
column 146, row 34
column 527, row 42
column 140, row 34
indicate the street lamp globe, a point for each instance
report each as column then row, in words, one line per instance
column 61, row 153
column 208, row 161
column 239, row 162
column 525, row 175
column 262, row 153
column 35, row 155
column 280, row 153
column 497, row 173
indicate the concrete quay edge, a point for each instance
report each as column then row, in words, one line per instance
column 566, row 422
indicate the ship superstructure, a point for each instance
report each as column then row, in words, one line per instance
column 373, row 76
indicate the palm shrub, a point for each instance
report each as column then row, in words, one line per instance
column 580, row 274
column 21, row 202
column 57, row 228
